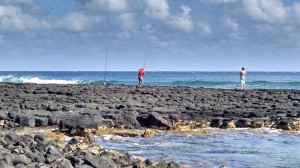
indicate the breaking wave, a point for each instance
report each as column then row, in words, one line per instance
column 37, row 80
column 12, row 79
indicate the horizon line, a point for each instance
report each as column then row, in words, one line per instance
column 136, row 71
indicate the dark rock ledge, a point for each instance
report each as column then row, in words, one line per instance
column 82, row 109
column 121, row 106
column 34, row 151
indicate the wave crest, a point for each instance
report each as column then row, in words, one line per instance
column 37, row 80
column 12, row 79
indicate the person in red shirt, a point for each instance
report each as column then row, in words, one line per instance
column 140, row 76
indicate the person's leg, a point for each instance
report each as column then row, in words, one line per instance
column 243, row 85
column 140, row 81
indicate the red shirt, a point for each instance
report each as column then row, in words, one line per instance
column 141, row 73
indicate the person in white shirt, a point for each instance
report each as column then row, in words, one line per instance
column 243, row 78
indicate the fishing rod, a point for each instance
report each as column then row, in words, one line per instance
column 145, row 60
column 105, row 66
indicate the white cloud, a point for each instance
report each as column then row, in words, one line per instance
column 220, row 1
column 13, row 18
column 2, row 41
column 271, row 11
column 205, row 28
column 295, row 11
column 156, row 37
column 265, row 28
column 148, row 28
column 28, row 5
column 182, row 21
column 128, row 25
column 108, row 5
column 78, row 22
column 124, row 34
column 230, row 23
column 127, row 21
column 17, row 2
column 160, row 42
column 235, row 35
column 157, row 9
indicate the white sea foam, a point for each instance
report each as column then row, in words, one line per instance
column 109, row 137
column 36, row 80
column 10, row 78
column 47, row 81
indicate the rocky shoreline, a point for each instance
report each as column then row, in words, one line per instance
column 84, row 109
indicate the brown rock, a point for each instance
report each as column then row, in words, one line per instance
column 149, row 133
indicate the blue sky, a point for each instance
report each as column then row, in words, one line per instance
column 177, row 35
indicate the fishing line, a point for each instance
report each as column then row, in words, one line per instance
column 105, row 65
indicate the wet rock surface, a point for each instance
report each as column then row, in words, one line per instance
column 78, row 109
column 122, row 106
column 34, row 151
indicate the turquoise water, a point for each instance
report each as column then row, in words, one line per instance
column 259, row 148
column 226, row 80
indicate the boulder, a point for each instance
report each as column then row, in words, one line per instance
column 148, row 133
column 82, row 122
column 89, row 138
column 4, row 164
column 243, row 123
column 35, row 157
column 3, row 115
column 130, row 120
column 12, row 138
column 148, row 162
column 228, row 124
column 40, row 91
column 53, row 120
column 289, row 125
column 98, row 161
column 13, row 114
column 173, row 164
column 216, row 122
column 52, row 154
column 6, row 161
column 126, row 160
column 62, row 162
column 20, row 159
column 257, row 123
column 165, row 164
column 39, row 138
column 26, row 121
column 41, row 121
column 73, row 141
column 154, row 120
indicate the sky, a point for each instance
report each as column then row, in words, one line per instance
column 168, row 35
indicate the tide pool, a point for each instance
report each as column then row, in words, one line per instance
column 243, row 148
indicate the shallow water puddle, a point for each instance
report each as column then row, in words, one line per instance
column 233, row 148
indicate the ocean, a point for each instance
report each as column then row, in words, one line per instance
column 224, row 80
